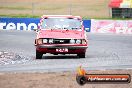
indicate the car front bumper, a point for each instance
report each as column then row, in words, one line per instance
column 72, row 49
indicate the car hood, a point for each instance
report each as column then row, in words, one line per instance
column 74, row 34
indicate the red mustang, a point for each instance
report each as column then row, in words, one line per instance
column 61, row 34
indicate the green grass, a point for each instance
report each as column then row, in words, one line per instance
column 75, row 7
column 38, row 16
column 96, row 9
column 101, row 18
column 21, row 16
column 15, row 8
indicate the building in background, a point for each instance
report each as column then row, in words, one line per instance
column 121, row 8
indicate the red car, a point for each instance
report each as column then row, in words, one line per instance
column 61, row 34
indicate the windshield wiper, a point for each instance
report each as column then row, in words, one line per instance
column 75, row 28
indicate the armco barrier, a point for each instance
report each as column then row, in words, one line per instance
column 27, row 23
column 19, row 23
column 111, row 26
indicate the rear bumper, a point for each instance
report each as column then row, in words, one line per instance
column 72, row 49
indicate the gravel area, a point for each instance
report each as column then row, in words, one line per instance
column 55, row 80
column 11, row 58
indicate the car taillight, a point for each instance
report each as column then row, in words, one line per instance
column 39, row 41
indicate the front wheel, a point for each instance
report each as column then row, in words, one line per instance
column 82, row 55
column 38, row 55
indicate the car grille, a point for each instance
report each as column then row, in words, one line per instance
column 61, row 41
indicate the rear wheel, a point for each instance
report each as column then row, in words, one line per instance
column 82, row 55
column 38, row 55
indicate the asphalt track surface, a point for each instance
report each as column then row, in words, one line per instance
column 106, row 51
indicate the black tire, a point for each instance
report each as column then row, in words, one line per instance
column 81, row 80
column 82, row 55
column 38, row 55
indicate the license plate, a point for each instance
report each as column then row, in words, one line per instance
column 62, row 50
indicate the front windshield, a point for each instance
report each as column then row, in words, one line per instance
column 61, row 23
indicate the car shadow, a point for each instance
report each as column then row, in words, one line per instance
column 60, row 57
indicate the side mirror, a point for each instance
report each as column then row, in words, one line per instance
column 34, row 29
column 87, row 29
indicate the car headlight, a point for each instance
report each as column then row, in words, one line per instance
column 50, row 40
column 39, row 41
column 45, row 41
column 78, row 41
column 72, row 41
